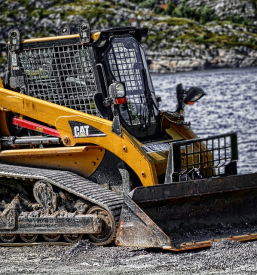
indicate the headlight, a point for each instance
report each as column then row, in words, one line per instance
column 193, row 94
column 120, row 90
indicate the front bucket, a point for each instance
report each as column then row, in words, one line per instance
column 190, row 214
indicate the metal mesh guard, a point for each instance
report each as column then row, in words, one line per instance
column 126, row 65
column 63, row 75
column 212, row 156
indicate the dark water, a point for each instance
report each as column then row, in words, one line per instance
column 229, row 106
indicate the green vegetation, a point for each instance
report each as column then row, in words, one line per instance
column 246, row 22
column 149, row 4
column 202, row 14
column 189, row 32
column 176, row 24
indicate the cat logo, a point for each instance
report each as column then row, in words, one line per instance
column 81, row 131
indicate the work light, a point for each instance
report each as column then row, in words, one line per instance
column 193, row 95
column 187, row 96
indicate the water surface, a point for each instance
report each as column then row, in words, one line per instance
column 229, row 106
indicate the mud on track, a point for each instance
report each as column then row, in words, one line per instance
column 226, row 257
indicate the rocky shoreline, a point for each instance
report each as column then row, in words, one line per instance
column 174, row 60
column 175, row 44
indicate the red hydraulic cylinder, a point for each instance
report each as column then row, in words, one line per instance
column 35, row 126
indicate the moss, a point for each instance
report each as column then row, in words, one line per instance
column 11, row 13
column 164, row 31
column 37, row 13
column 90, row 10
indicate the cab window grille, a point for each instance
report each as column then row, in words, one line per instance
column 63, row 75
column 126, row 65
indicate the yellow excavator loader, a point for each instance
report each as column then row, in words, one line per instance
column 85, row 151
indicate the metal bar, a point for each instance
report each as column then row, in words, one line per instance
column 218, row 166
column 104, row 76
column 176, row 156
column 234, row 147
column 35, row 127
column 31, row 140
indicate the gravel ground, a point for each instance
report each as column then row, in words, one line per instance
column 225, row 257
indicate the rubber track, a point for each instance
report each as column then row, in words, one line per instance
column 70, row 182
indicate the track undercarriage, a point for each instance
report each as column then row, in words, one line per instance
column 63, row 204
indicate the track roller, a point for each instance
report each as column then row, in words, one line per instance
column 73, row 238
column 29, row 238
column 8, row 238
column 109, row 227
column 51, row 237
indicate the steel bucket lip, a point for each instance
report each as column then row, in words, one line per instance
column 140, row 197
column 166, row 243
column 194, row 188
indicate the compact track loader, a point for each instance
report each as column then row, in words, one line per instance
column 85, row 151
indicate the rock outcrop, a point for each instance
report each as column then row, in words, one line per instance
column 228, row 39
column 226, row 8
column 182, row 61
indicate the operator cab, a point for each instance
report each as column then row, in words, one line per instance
column 124, row 62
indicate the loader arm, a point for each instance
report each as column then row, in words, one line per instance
column 58, row 116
